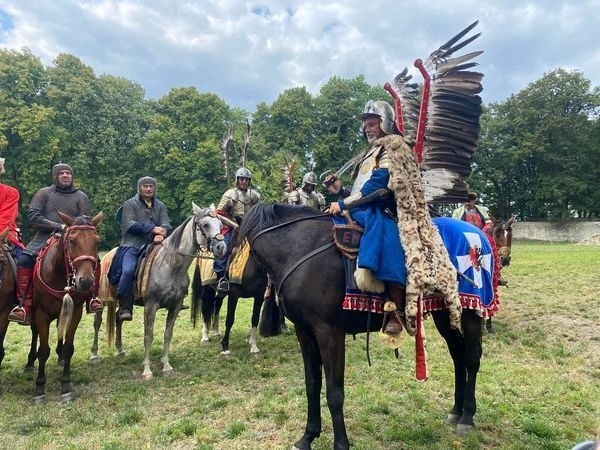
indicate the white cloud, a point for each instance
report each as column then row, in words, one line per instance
column 248, row 52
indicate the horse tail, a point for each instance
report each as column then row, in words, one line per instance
column 196, row 295
column 111, row 321
column 270, row 318
column 66, row 314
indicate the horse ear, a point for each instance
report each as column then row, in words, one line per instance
column 4, row 234
column 98, row 218
column 67, row 220
column 212, row 207
column 195, row 208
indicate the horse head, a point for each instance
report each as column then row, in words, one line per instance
column 207, row 230
column 502, row 233
column 80, row 247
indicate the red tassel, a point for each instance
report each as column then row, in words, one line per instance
column 421, row 370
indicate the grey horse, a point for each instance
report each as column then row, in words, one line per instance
column 167, row 285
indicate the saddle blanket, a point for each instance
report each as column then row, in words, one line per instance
column 236, row 266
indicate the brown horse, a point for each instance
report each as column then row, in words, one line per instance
column 7, row 287
column 64, row 278
column 501, row 234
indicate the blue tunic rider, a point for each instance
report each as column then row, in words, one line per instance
column 380, row 250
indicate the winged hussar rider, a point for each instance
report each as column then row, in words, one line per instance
column 306, row 194
column 234, row 205
column 381, row 251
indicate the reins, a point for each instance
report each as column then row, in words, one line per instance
column 302, row 260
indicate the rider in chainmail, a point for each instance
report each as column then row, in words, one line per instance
column 234, row 204
column 43, row 217
column 306, row 194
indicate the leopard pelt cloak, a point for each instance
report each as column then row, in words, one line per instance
column 428, row 264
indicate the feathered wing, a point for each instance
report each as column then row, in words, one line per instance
column 452, row 129
column 452, row 122
column 225, row 141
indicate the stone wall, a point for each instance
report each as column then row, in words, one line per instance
column 556, row 231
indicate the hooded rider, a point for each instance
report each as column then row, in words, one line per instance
column 306, row 194
column 144, row 220
column 380, row 251
column 43, row 217
column 234, row 205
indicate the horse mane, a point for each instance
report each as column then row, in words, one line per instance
column 174, row 240
column 265, row 215
column 82, row 220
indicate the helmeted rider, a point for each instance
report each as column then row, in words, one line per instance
column 306, row 194
column 380, row 251
column 144, row 220
column 43, row 217
column 235, row 204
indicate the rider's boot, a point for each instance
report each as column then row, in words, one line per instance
column 22, row 313
column 125, row 312
column 394, row 308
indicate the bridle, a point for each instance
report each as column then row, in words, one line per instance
column 300, row 261
column 70, row 262
column 210, row 240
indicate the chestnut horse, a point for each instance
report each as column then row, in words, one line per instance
column 309, row 278
column 7, row 287
column 63, row 279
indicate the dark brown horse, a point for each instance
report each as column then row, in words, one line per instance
column 7, row 287
column 64, row 278
column 308, row 275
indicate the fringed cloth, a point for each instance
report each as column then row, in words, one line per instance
column 354, row 298
column 238, row 263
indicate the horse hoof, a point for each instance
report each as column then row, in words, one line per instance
column 204, row 340
column 28, row 369
column 66, row 398
column 39, row 399
column 95, row 359
column 168, row 371
column 255, row 353
column 462, row 429
column 452, row 419
column 225, row 354
column 121, row 353
column 147, row 376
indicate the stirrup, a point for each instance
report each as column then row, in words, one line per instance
column 19, row 314
column 95, row 305
column 223, row 286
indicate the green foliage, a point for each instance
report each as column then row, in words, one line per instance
column 539, row 154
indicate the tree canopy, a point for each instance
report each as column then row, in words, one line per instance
column 538, row 156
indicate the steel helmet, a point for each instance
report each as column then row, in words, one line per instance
column 309, row 178
column 243, row 172
column 383, row 110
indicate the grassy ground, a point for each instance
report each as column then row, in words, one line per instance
column 537, row 389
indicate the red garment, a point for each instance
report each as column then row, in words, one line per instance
column 9, row 210
column 474, row 218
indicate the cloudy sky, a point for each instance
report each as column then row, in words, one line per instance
column 250, row 51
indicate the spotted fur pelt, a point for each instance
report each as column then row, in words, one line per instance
column 428, row 264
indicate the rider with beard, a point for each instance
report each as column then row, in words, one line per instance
column 380, row 251
column 62, row 196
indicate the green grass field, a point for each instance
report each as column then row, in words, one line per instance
column 538, row 387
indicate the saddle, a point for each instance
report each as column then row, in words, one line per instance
column 142, row 272
column 347, row 239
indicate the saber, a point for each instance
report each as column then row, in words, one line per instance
column 328, row 177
